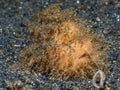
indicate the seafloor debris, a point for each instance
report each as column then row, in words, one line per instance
column 102, row 79
column 62, row 47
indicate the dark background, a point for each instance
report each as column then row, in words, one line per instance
column 103, row 16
